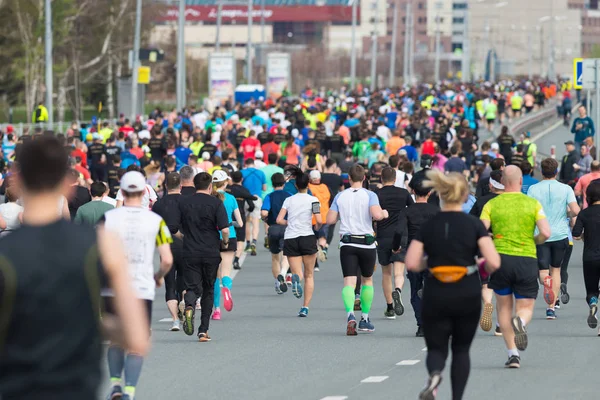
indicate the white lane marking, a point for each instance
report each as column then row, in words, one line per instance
column 335, row 398
column 374, row 379
column 408, row 362
column 424, row 349
column 166, row 320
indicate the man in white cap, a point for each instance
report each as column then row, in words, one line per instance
column 258, row 160
column 142, row 232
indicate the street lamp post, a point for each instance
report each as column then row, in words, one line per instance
column 353, row 45
column 249, row 45
column 181, row 57
column 394, row 38
column 48, row 50
column 136, row 59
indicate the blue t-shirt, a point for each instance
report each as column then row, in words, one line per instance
column 231, row 205
column 554, row 197
column 467, row 205
column 411, row 153
column 290, row 187
column 254, row 179
column 182, row 156
column 528, row 181
column 455, row 164
column 273, row 203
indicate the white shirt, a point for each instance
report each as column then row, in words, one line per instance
column 110, row 200
column 148, row 199
column 141, row 231
column 354, row 208
column 259, row 164
column 299, row 215
column 10, row 212
column 402, row 179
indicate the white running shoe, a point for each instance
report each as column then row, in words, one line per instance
column 175, row 327
column 198, row 306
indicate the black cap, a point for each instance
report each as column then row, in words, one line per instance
column 569, row 142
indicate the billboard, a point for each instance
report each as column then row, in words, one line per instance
column 221, row 76
column 279, row 76
column 239, row 14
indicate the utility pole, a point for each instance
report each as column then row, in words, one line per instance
column 374, row 48
column 466, row 56
column 405, row 71
column 394, row 44
column 218, row 38
column 551, row 74
column 181, row 57
column 249, row 46
column 437, row 48
column 529, row 55
column 136, row 59
column 48, row 49
column 353, row 46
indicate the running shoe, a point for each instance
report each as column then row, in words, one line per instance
column 227, row 299
column 564, row 295
column 486, row 321
column 216, row 314
column 365, row 325
column 420, row 332
column 351, row 326
column 198, row 305
column 115, row 393
column 357, row 303
column 325, row 252
column 288, row 279
column 398, row 305
column 420, row 293
column 296, row 286
column 548, row 292
column 282, row 284
column 266, row 242
column 513, row 362
column 176, row 326
column 592, row 317
column 277, row 290
column 247, row 249
column 181, row 309
column 430, row 391
column 188, row 321
column 252, row 249
column 317, row 269
column 557, row 305
column 321, row 255
column 303, row 312
column 203, row 337
column 497, row 332
column 520, row 333
column 550, row 314
column 389, row 314
column 236, row 265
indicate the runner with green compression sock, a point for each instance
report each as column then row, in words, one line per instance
column 356, row 208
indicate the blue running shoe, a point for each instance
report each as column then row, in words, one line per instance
column 296, row 286
column 550, row 314
column 365, row 325
column 351, row 327
column 116, row 393
column 303, row 312
column 592, row 318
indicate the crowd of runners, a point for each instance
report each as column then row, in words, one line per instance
column 401, row 177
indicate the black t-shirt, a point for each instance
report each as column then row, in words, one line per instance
column 112, row 151
column 202, row 217
column 168, row 208
column 410, row 221
column 483, row 187
column 50, row 277
column 517, row 159
column 345, row 165
column 450, row 239
column 113, row 181
column 333, row 182
column 158, row 148
column 334, row 143
column 80, row 197
column 263, row 137
column 188, row 190
column 394, row 200
column 279, row 138
column 480, row 203
column 588, row 225
column 209, row 148
column 242, row 195
column 95, row 152
column 506, row 143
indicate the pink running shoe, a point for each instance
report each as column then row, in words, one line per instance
column 216, row 315
column 227, row 299
column 548, row 292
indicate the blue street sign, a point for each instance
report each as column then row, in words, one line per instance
column 578, row 73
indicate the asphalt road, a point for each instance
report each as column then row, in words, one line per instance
column 262, row 350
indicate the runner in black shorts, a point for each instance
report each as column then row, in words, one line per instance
column 300, row 243
column 356, row 209
column 513, row 217
column 243, row 197
column 275, row 233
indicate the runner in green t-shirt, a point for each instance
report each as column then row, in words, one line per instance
column 513, row 218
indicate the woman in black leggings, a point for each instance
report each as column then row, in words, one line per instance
column 587, row 228
column 452, row 295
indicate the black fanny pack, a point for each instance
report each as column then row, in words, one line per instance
column 358, row 239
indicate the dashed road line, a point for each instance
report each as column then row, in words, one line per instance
column 408, row 362
column 374, row 379
column 335, row 398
